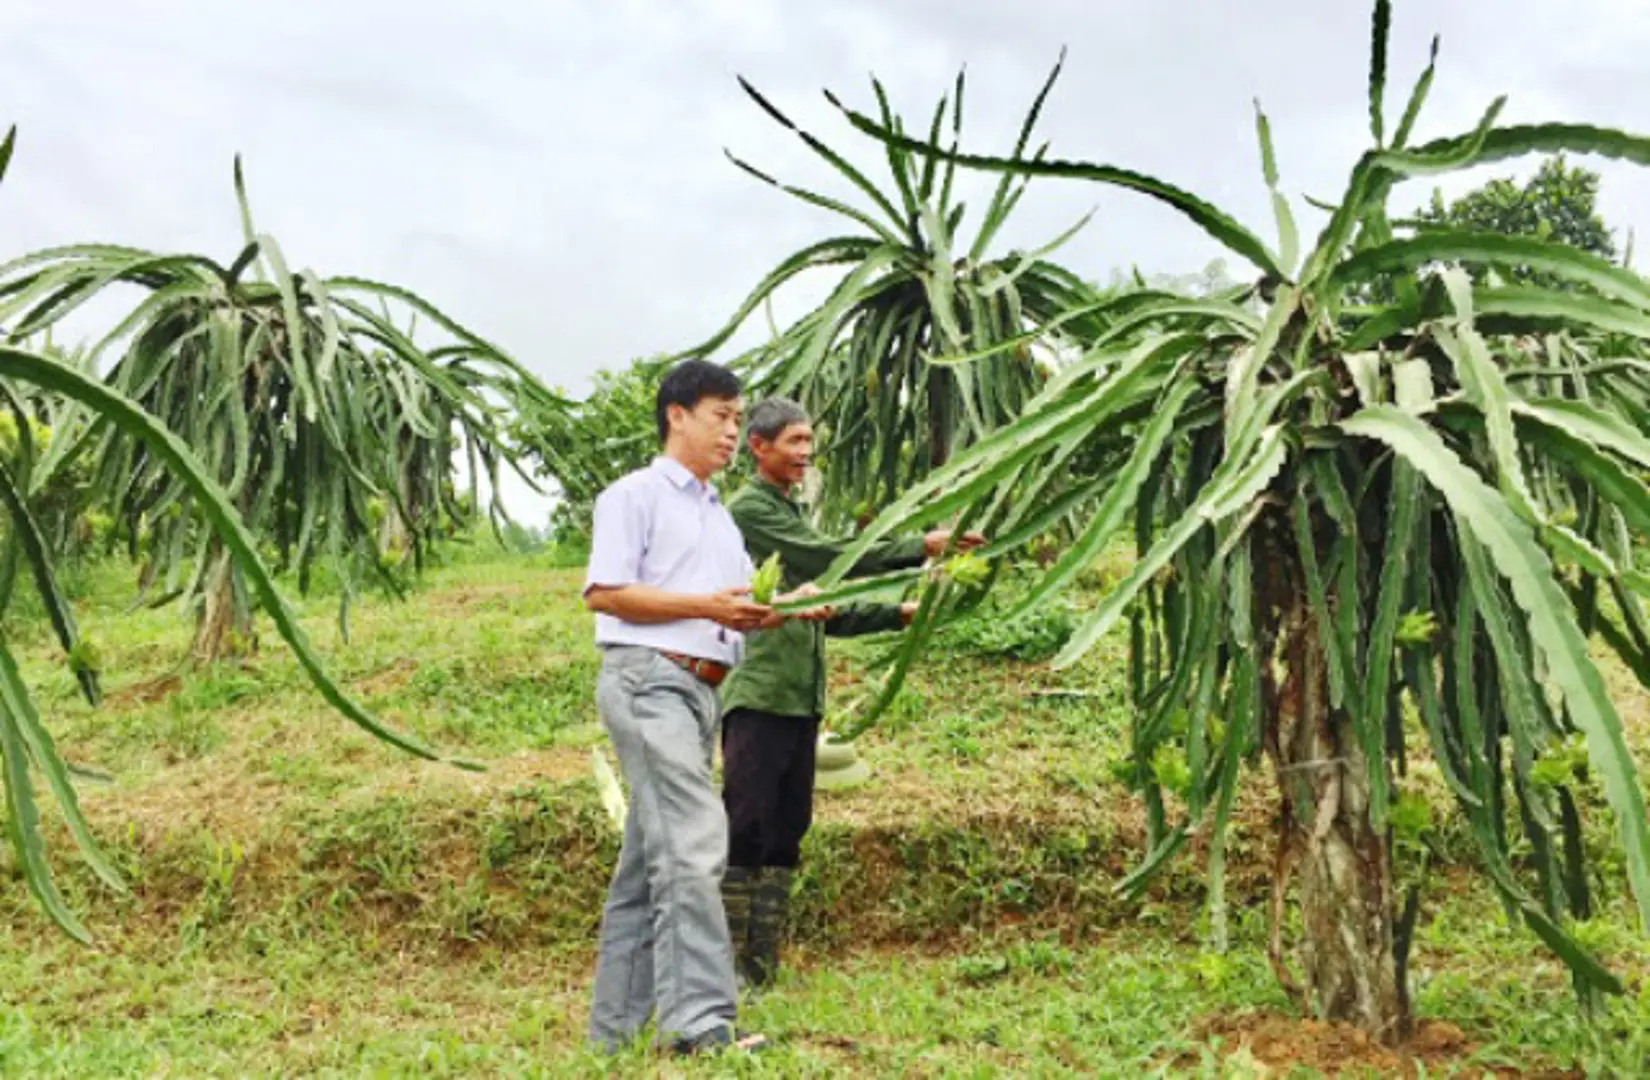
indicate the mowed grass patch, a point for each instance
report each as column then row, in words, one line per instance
column 486, row 658
column 306, row 899
column 1145, row 1001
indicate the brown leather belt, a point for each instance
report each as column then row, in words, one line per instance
column 707, row 671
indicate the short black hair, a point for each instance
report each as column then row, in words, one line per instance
column 689, row 383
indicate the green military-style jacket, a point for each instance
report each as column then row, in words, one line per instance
column 783, row 671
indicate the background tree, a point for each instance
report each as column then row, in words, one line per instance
column 316, row 411
column 59, row 501
column 586, row 445
column 1363, row 528
column 26, row 746
column 1559, row 203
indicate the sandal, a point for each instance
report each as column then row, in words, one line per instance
column 719, row 1040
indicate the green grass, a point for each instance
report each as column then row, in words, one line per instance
column 306, row 900
column 1123, row 1004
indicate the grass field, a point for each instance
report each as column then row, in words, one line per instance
column 306, row 900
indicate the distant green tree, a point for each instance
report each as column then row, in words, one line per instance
column 1559, row 203
column 583, row 446
column 597, row 440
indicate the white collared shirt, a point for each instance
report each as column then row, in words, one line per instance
column 662, row 526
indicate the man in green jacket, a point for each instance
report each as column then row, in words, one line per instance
column 773, row 701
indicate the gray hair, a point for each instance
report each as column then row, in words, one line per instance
column 770, row 416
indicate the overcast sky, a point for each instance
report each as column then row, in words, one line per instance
column 552, row 173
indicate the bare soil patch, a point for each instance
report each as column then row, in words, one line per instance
column 1273, row 1042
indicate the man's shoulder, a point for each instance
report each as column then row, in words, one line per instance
column 748, row 499
column 631, row 483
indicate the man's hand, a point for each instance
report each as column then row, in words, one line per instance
column 801, row 592
column 936, row 542
column 734, row 609
column 908, row 611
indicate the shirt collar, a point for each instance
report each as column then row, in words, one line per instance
column 682, row 476
column 776, row 490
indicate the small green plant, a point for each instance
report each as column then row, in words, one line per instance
column 967, row 569
column 982, row 969
column 960, row 736
column 1031, row 638
column 1171, row 771
column 1411, row 817
column 1416, row 630
column 766, row 580
column 84, row 658
column 1561, row 766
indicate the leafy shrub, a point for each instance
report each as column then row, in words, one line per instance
column 1031, row 638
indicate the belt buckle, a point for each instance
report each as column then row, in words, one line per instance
column 709, row 672
column 689, row 664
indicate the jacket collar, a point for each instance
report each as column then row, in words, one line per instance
column 775, row 490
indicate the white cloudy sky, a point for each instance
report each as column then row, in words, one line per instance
column 552, row 173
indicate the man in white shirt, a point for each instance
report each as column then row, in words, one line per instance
column 669, row 582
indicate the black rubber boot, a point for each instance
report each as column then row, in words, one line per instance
column 770, row 910
column 738, row 893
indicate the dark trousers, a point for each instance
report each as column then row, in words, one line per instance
column 767, row 785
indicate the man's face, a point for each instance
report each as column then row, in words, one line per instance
column 710, row 430
column 785, row 458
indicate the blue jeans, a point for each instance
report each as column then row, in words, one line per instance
column 664, row 938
